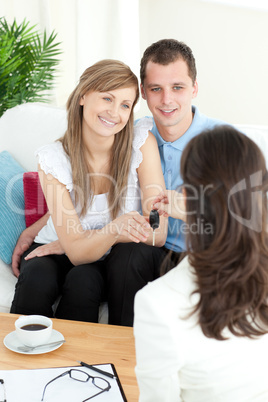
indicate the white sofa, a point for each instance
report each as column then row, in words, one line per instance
column 23, row 129
column 26, row 127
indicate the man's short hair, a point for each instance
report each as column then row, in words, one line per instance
column 167, row 51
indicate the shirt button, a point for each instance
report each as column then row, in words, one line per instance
column 169, row 171
column 169, row 157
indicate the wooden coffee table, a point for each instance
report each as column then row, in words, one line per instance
column 88, row 342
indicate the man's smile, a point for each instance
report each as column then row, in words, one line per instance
column 167, row 111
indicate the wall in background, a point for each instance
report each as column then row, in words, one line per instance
column 89, row 30
column 230, row 45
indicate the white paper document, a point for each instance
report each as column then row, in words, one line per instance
column 28, row 385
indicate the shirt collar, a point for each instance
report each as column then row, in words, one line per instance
column 184, row 139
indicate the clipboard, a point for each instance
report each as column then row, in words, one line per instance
column 119, row 383
column 28, row 385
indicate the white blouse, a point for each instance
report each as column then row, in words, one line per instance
column 177, row 362
column 53, row 159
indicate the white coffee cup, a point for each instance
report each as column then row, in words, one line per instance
column 33, row 330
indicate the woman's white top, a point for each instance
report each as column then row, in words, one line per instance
column 177, row 362
column 53, row 159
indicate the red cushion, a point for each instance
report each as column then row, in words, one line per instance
column 35, row 203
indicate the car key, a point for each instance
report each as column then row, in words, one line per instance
column 154, row 222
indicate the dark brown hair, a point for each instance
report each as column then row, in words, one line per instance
column 225, row 179
column 167, row 51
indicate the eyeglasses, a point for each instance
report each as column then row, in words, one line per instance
column 2, row 382
column 82, row 376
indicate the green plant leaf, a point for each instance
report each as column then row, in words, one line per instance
column 28, row 64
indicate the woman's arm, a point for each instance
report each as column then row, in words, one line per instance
column 83, row 246
column 156, row 355
column 152, row 183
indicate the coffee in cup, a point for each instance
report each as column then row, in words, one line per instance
column 33, row 330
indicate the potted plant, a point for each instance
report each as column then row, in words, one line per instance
column 28, row 62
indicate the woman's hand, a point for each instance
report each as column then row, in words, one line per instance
column 47, row 249
column 130, row 227
column 170, row 203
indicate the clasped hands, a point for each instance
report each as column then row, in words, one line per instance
column 128, row 227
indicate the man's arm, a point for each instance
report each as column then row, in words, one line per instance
column 25, row 241
column 171, row 203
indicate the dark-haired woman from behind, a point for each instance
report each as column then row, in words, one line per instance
column 201, row 329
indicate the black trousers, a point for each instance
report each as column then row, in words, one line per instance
column 116, row 278
column 43, row 279
column 130, row 267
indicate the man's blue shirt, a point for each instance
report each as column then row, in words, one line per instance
column 170, row 153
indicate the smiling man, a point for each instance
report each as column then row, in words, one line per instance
column 168, row 84
column 169, row 90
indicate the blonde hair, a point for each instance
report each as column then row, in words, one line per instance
column 105, row 75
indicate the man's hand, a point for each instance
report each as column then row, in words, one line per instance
column 25, row 241
column 170, row 203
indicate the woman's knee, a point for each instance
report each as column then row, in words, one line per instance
column 38, row 279
column 136, row 257
column 85, row 279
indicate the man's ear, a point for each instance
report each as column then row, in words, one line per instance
column 143, row 94
column 195, row 89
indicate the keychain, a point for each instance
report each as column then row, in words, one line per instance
column 154, row 222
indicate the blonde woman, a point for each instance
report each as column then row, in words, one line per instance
column 99, row 180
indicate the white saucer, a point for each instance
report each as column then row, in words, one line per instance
column 12, row 343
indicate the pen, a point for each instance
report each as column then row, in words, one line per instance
column 97, row 369
column 2, row 382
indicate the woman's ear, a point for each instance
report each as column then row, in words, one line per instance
column 82, row 100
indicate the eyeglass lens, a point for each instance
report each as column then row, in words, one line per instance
column 81, row 376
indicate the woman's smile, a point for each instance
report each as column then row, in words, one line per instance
column 106, row 113
column 106, row 122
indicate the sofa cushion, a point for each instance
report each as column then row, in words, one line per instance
column 7, row 283
column 27, row 127
column 35, row 203
column 12, row 221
